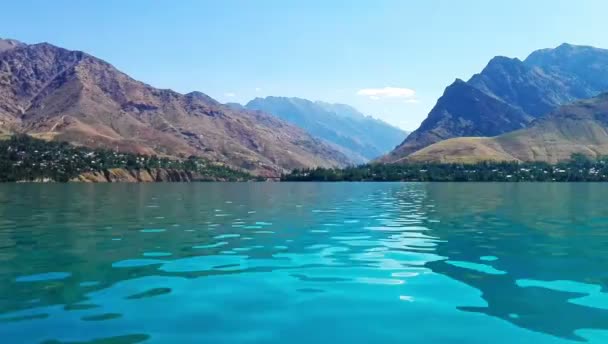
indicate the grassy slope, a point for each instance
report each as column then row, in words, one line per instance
column 577, row 128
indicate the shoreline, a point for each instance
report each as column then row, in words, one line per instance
column 123, row 175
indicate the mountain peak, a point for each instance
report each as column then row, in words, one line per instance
column 565, row 46
column 457, row 85
column 8, row 44
column 563, row 51
column 569, row 47
column 502, row 59
column 575, row 128
column 279, row 101
column 501, row 65
column 343, row 110
column 509, row 94
column 198, row 95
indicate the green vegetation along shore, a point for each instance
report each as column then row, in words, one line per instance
column 578, row 169
column 23, row 158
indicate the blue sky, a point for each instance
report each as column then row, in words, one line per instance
column 390, row 59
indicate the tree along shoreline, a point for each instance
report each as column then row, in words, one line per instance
column 579, row 168
column 27, row 159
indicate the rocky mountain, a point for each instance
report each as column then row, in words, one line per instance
column 580, row 127
column 358, row 136
column 7, row 44
column 463, row 110
column 58, row 94
column 510, row 93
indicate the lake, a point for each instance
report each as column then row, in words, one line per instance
column 304, row 263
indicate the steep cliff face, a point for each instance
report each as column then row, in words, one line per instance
column 64, row 95
column 463, row 110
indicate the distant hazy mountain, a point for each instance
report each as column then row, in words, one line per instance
column 580, row 127
column 360, row 137
column 235, row 106
column 58, row 94
column 508, row 94
column 344, row 110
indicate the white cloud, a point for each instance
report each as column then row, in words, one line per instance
column 388, row 92
column 412, row 101
column 258, row 89
column 229, row 95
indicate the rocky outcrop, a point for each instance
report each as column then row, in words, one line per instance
column 121, row 175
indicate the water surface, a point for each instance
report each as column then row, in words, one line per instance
column 304, row 263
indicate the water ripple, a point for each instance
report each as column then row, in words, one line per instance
column 262, row 262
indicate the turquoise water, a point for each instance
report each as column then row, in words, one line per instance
column 304, row 263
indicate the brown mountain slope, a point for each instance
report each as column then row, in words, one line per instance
column 67, row 95
column 580, row 127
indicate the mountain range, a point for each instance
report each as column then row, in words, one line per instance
column 512, row 110
column 58, row 94
column 509, row 94
column 360, row 137
column 580, row 127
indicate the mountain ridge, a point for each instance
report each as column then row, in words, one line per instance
column 359, row 136
column 60, row 94
column 546, row 79
column 577, row 128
